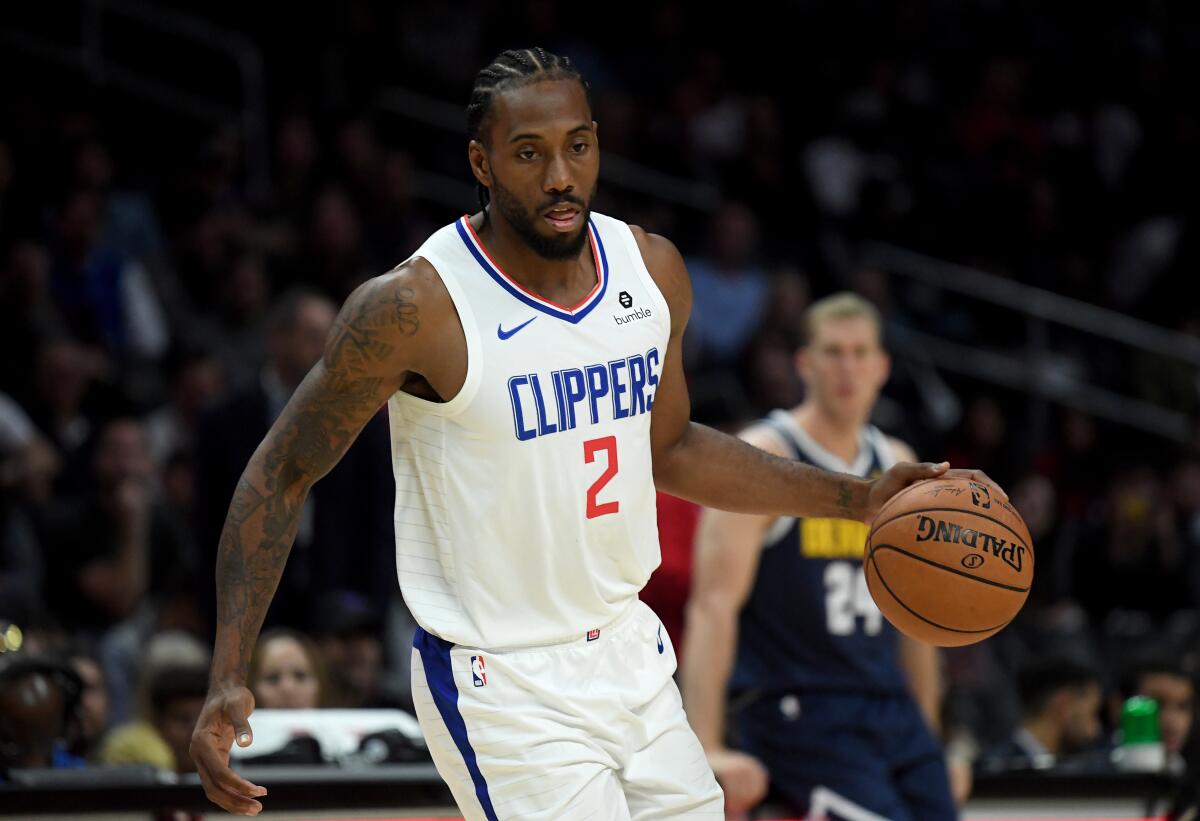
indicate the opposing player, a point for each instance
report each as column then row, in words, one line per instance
column 833, row 706
column 529, row 358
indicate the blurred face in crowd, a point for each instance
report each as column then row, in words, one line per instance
column 541, row 161
column 355, row 659
column 79, row 224
column 335, row 227
column 175, row 725
column 62, row 378
column 287, row 679
column 1176, row 706
column 121, row 455
column 199, row 383
column 844, row 367
column 93, row 699
column 1034, row 497
column 31, row 719
column 27, row 275
column 1079, row 712
column 296, row 348
column 734, row 235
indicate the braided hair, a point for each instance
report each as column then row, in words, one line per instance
column 512, row 69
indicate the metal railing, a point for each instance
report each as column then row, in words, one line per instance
column 94, row 59
column 1033, row 370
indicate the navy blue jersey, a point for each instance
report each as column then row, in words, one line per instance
column 809, row 622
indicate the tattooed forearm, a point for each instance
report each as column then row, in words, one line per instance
column 320, row 422
column 844, row 499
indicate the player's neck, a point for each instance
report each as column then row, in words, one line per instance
column 545, row 277
column 839, row 436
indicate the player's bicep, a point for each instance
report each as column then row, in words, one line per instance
column 672, row 405
column 367, row 353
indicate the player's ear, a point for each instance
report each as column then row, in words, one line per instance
column 477, row 157
column 800, row 362
column 885, row 368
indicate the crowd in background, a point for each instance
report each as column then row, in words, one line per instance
column 156, row 313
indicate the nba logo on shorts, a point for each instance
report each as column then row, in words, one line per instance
column 478, row 674
column 592, row 635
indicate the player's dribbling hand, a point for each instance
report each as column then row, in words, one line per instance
column 903, row 474
column 226, row 714
column 743, row 778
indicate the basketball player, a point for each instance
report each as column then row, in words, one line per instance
column 529, row 358
column 833, row 705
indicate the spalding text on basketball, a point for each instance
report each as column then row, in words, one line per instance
column 1011, row 553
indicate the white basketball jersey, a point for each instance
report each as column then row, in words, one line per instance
column 525, row 506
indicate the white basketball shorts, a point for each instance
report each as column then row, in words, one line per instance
column 589, row 729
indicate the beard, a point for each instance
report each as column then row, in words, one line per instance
column 558, row 247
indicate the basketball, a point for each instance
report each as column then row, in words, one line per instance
column 948, row 562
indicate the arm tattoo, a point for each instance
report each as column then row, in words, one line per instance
column 315, row 429
column 844, row 497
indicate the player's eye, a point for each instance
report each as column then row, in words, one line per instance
column 527, row 154
column 579, row 147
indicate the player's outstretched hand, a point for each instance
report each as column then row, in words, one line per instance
column 226, row 714
column 743, row 778
column 903, row 474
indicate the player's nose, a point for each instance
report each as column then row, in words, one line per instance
column 558, row 175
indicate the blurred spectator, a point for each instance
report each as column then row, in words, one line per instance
column 1060, row 707
column 345, row 537
column 38, row 698
column 195, row 383
column 28, row 462
column 986, row 442
column 93, row 710
column 1035, row 499
column 113, row 547
column 1134, row 559
column 348, row 632
column 287, row 673
column 129, row 223
column 173, row 698
column 1163, row 679
column 729, row 290
column 29, row 319
column 64, row 373
column 239, row 335
column 106, row 296
column 336, row 260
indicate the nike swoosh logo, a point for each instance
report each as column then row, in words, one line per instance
column 660, row 644
column 503, row 334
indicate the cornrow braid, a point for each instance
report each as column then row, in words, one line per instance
column 512, row 69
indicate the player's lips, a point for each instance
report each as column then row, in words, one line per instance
column 563, row 217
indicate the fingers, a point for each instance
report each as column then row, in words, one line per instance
column 916, row 471
column 982, row 478
column 238, row 710
column 223, row 786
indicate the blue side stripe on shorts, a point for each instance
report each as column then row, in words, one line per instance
column 435, row 655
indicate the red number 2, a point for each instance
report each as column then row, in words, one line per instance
column 605, row 443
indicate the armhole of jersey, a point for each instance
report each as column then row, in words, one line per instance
column 466, row 318
column 639, row 265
